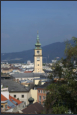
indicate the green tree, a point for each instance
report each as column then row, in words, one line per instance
column 62, row 95
column 71, row 49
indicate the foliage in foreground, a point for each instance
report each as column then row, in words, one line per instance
column 62, row 95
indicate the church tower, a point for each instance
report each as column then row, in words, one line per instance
column 38, row 57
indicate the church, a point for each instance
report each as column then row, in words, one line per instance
column 38, row 68
column 38, row 57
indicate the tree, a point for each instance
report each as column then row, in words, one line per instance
column 62, row 96
column 71, row 49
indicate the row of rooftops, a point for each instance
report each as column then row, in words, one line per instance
column 7, row 68
column 17, row 87
column 14, row 86
column 24, row 75
column 12, row 102
column 34, row 108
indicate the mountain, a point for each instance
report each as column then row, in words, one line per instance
column 50, row 52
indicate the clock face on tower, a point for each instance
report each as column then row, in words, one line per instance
column 38, row 52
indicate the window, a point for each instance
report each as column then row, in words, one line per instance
column 38, row 64
column 38, row 58
column 38, row 91
column 22, row 96
column 43, row 97
column 15, row 96
column 39, row 98
column 1, row 106
column 5, row 106
column 43, row 91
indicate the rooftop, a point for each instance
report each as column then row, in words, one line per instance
column 24, row 75
column 14, row 86
column 13, row 99
column 44, row 85
column 27, row 71
column 35, row 108
column 3, row 98
column 12, row 102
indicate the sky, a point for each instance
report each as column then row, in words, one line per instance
column 56, row 21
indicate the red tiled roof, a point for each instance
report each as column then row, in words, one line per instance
column 8, row 107
column 27, row 71
column 3, row 98
column 18, row 101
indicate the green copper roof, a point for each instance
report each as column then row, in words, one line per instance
column 30, row 99
column 38, row 48
column 38, row 42
column 37, row 36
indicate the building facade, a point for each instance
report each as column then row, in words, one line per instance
column 22, row 96
column 42, row 92
column 41, row 95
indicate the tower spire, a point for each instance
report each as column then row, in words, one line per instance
column 37, row 45
column 37, row 35
column 38, row 57
column 37, row 31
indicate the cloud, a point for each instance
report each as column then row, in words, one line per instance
column 3, row 35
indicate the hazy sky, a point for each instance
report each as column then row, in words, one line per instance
column 56, row 21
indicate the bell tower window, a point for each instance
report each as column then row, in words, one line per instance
column 38, row 58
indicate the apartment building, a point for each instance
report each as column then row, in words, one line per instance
column 17, row 90
column 9, row 103
column 41, row 93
